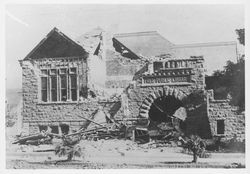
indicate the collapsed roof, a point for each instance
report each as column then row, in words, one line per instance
column 148, row 44
column 90, row 40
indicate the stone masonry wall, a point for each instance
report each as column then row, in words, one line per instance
column 233, row 120
column 140, row 91
column 196, row 121
column 191, row 68
column 63, row 113
column 35, row 112
column 140, row 94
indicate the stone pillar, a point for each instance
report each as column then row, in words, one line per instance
column 59, row 130
column 151, row 68
column 133, row 135
column 176, row 64
column 124, row 101
column 25, row 128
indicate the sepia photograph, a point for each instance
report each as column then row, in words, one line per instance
column 124, row 86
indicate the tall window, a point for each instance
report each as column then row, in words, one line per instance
column 220, row 127
column 44, row 83
column 53, row 90
column 59, row 85
column 73, row 84
column 63, row 77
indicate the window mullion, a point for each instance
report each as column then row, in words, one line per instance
column 77, row 84
column 59, row 87
column 48, row 89
column 69, row 87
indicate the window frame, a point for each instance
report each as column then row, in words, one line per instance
column 71, row 86
column 220, row 130
column 47, row 83
column 51, row 90
column 63, row 74
column 57, row 73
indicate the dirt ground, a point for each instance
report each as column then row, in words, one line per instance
column 116, row 154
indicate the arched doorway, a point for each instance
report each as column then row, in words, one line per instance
column 165, row 108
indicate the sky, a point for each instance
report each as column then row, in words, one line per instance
column 27, row 25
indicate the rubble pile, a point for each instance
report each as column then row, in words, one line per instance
column 105, row 135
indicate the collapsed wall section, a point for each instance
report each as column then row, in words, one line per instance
column 120, row 70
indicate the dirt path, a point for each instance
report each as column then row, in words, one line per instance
column 119, row 157
column 21, row 164
column 115, row 154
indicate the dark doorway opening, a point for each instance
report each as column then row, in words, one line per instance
column 54, row 129
column 220, row 127
column 164, row 107
column 41, row 128
column 64, row 128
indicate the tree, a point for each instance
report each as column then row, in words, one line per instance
column 196, row 145
column 232, row 77
column 218, row 73
column 241, row 35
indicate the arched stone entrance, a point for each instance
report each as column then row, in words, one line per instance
column 165, row 110
column 160, row 104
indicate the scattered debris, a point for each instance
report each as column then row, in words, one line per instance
column 135, row 132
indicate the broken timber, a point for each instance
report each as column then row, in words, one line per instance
column 22, row 140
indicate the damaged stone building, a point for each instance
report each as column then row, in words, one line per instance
column 129, row 75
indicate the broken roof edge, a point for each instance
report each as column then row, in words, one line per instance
column 150, row 33
column 143, row 33
column 205, row 44
column 47, row 36
column 85, row 40
column 115, row 40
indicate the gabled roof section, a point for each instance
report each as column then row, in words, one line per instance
column 56, row 44
column 148, row 44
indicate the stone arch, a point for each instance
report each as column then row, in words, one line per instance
column 165, row 91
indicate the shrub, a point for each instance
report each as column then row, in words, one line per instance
column 195, row 145
column 69, row 147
